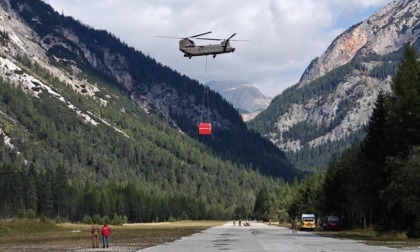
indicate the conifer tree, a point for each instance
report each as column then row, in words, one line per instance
column 31, row 199
column 372, row 161
column 405, row 103
column 403, row 136
column 261, row 204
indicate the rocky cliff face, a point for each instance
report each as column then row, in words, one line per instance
column 384, row 32
column 245, row 97
column 335, row 95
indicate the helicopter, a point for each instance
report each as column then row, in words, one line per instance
column 188, row 47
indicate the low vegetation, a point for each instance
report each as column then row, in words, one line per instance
column 371, row 237
column 44, row 235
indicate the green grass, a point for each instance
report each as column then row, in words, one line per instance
column 36, row 235
column 26, row 226
column 371, row 237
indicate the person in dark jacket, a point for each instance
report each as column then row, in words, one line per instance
column 105, row 231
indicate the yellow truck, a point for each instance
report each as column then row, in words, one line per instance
column 307, row 222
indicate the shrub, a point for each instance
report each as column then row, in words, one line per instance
column 58, row 219
column 116, row 220
column 172, row 219
column 87, row 220
column 29, row 214
column 283, row 216
column 97, row 219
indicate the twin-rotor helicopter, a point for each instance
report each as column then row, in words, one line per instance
column 190, row 49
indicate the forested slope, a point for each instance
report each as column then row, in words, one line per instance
column 156, row 88
column 85, row 141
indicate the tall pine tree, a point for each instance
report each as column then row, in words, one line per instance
column 372, row 162
column 405, row 104
column 403, row 136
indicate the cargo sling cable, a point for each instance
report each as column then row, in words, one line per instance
column 205, row 96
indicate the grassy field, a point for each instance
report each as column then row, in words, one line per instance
column 35, row 235
column 371, row 237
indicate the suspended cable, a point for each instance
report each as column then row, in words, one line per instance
column 205, row 128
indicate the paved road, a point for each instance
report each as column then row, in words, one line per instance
column 260, row 237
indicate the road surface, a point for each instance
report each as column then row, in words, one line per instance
column 258, row 238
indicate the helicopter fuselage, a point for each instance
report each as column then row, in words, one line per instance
column 189, row 49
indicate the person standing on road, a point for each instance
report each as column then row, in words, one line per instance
column 95, row 235
column 294, row 226
column 105, row 231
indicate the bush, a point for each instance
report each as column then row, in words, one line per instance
column 29, row 214
column 105, row 220
column 172, row 219
column 58, row 219
column 116, row 220
column 283, row 216
column 125, row 219
column 96, row 218
column 87, row 220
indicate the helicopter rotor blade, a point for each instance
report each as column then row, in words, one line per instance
column 199, row 35
column 228, row 39
column 210, row 39
column 185, row 37
column 222, row 39
column 231, row 36
column 168, row 37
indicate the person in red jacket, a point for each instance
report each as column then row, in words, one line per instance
column 105, row 231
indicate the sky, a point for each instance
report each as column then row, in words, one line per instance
column 283, row 36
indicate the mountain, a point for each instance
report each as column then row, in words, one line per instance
column 243, row 95
column 327, row 110
column 94, row 126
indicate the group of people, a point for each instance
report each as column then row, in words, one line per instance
column 105, row 232
column 245, row 224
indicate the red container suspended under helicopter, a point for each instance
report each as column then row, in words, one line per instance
column 204, row 129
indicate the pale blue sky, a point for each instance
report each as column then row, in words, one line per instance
column 284, row 35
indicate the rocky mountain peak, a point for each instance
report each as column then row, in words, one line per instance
column 327, row 110
column 243, row 95
column 384, row 32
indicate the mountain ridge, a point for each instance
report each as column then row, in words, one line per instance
column 334, row 97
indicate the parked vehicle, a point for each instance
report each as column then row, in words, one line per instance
column 307, row 222
column 331, row 223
